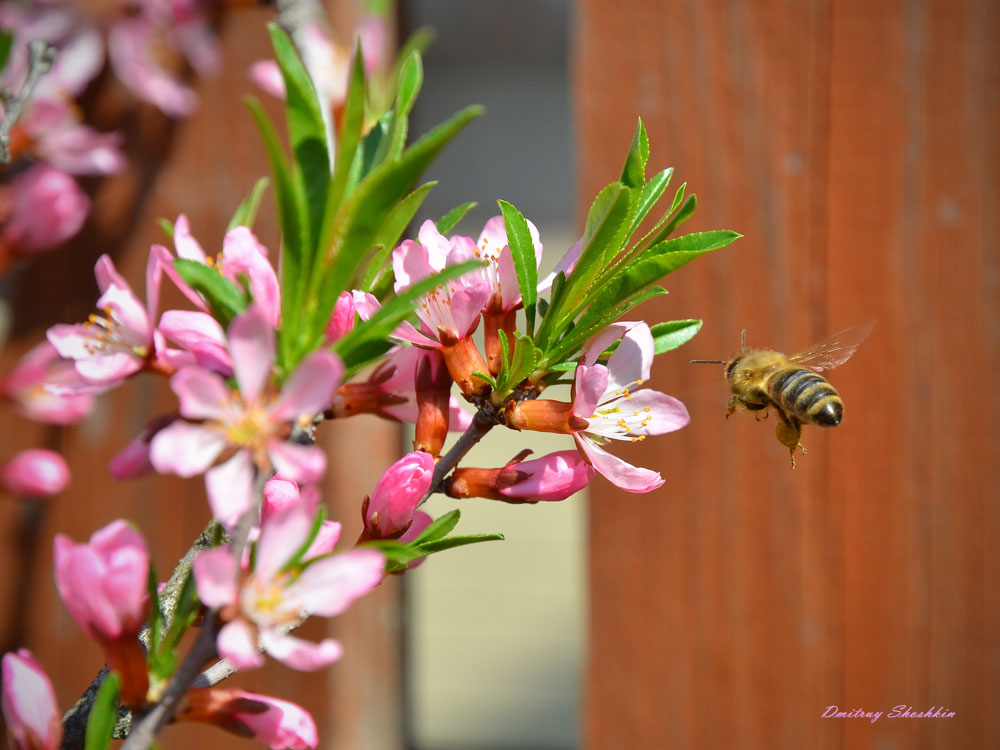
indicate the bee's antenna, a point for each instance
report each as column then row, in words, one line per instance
column 708, row 361
column 743, row 340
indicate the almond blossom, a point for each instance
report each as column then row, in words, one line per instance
column 609, row 404
column 122, row 340
column 27, row 386
column 255, row 420
column 449, row 313
column 280, row 590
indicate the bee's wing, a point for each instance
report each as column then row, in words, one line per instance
column 834, row 350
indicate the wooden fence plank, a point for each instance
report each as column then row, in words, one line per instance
column 854, row 145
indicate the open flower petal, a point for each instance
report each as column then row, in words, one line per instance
column 215, row 577
column 185, row 449
column 620, row 473
column 305, row 656
column 238, row 644
column 309, row 390
column 230, row 488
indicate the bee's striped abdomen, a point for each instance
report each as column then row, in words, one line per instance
column 807, row 395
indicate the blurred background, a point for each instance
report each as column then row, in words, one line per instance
column 854, row 145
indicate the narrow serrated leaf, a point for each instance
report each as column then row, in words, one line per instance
column 525, row 261
column 651, row 193
column 634, row 171
column 439, row 527
column 447, row 222
column 392, row 229
column 439, row 545
column 684, row 213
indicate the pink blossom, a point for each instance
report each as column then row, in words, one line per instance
column 103, row 582
column 255, row 420
column 342, row 318
column 47, row 209
column 28, row 386
column 555, row 476
column 29, row 704
column 133, row 460
column 130, row 50
column 277, row 723
column 389, row 511
column 450, row 312
column 110, row 347
column 280, row 494
column 58, row 137
column 242, row 255
column 35, row 472
column 499, row 271
column 607, row 397
column 274, row 595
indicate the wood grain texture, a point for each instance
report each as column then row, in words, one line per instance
column 854, row 145
column 202, row 166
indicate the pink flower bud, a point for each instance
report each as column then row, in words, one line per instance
column 552, row 477
column 48, row 209
column 103, row 582
column 277, row 723
column 29, row 704
column 35, row 472
column 389, row 512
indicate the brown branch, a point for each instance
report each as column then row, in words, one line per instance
column 41, row 55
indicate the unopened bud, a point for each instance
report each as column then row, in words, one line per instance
column 433, row 388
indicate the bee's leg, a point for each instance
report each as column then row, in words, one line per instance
column 788, row 431
column 758, row 417
column 733, row 406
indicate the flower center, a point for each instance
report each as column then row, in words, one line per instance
column 107, row 334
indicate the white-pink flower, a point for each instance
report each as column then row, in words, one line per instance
column 255, row 420
column 451, row 311
column 29, row 704
column 242, row 255
column 27, row 385
column 121, row 340
column 500, row 271
column 609, row 398
column 280, row 591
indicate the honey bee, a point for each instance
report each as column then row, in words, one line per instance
column 762, row 378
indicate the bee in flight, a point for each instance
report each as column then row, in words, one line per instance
column 761, row 378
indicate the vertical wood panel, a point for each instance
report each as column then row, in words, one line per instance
column 854, row 144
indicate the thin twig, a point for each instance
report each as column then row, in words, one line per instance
column 485, row 420
column 145, row 729
column 41, row 55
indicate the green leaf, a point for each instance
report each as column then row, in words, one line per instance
column 352, row 122
column 291, row 217
column 364, row 212
column 439, row 527
column 669, row 255
column 246, row 214
column 168, row 228
column 307, row 132
column 525, row 260
column 103, row 714
column 634, row 171
column 6, row 42
column 651, row 193
column 451, row 542
column 447, row 222
column 683, row 214
column 522, row 364
column 597, row 319
column 672, row 334
column 392, row 229
column 607, row 222
column 408, row 83
column 225, row 299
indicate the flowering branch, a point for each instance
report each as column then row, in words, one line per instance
column 41, row 55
